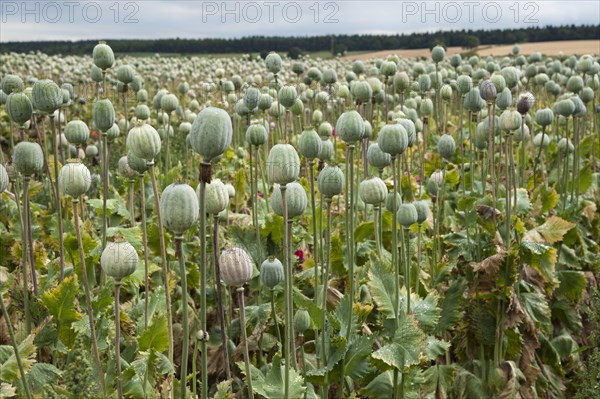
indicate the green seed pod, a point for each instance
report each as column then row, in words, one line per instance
column 587, row 94
column 504, row 99
column 472, row 100
column 393, row 139
column 273, row 62
column 544, row 117
column 136, row 163
column 317, row 117
column 330, row 181
column 326, row 152
column 446, row 146
column 103, row 56
column 77, row 132
column 329, row 76
column 252, row 97
column 119, row 259
column 96, row 74
column 511, row 76
column 265, row 102
column 580, row 108
column 464, row 83
column 350, row 127
column 541, row 139
column 103, row 115
column 372, row 190
column 91, row 150
column 309, row 144
column 283, row 164
column 498, row 81
column 510, row 120
column 343, row 92
column 325, row 130
column 362, row 91
column 525, row 102
column 575, row 84
column 28, row 158
column 125, row 74
column 565, row 108
column 271, row 272
column 179, row 208
column 295, row 197
column 446, row 92
column 455, row 60
column 298, row 67
column 287, row 96
column 125, row 170
column 407, row 215
column 388, row 68
column 211, row 133
column 297, row 108
column 256, row 134
column 426, row 107
column 46, row 96
column 216, row 197
column 236, row 266
column 401, row 81
column 113, row 132
column 3, row 179
column 315, row 74
column 521, row 134
column 358, row 67
column 377, row 158
column 437, row 54
column 142, row 112
column 19, row 108
column 424, row 82
column 169, row 103
column 422, row 208
column 411, row 130
column 157, row 98
column 301, row 321
column 11, row 83
column 143, row 141
column 389, row 201
column 565, row 146
column 74, row 179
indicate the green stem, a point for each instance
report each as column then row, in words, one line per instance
column 13, row 342
column 220, row 309
column 131, row 201
column 104, row 186
column 118, row 339
column 274, row 313
column 205, row 177
column 27, row 209
column 61, row 245
column 23, row 260
column 240, row 292
column 185, row 325
column 325, row 289
column 145, row 243
column 88, row 299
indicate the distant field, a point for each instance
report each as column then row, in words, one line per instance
column 579, row 47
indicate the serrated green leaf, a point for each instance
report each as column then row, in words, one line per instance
column 224, row 390
column 61, row 303
column 572, row 284
column 425, row 310
column 381, row 284
column 9, row 370
column 41, row 375
column 435, row 347
column 450, row 306
column 380, row 387
column 357, row 364
column 271, row 384
column 405, row 348
column 554, row 229
column 155, row 337
column 523, row 204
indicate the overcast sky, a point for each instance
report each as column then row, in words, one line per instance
column 84, row 19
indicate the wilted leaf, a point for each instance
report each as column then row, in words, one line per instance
column 554, row 229
column 9, row 370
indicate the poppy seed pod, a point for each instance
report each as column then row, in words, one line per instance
column 372, row 190
column 169, row 103
column 388, row 68
column 296, row 200
column 326, row 150
column 91, row 150
column 504, row 99
column 125, row 170
column 565, row 108
column 446, row 92
column 19, row 108
column 77, row 132
column 273, row 62
column 575, row 84
column 464, row 83
column 446, row 146
column 119, row 259
column 407, row 215
column 216, row 197
column 309, row 144
column 437, row 54
column 426, row 107
column 236, row 266
column 424, row 82
column 256, row 134
column 283, row 164
column 329, row 76
column 488, row 90
column 103, row 56
column 544, row 117
column 74, row 179
column 179, row 207
column 252, row 97
column 287, row 96
column 144, row 141
column 362, row 91
column 377, row 158
column 136, row 163
column 301, row 321
column 393, row 139
column 325, row 130
column 3, row 179
column 103, row 115
column 565, row 146
column 11, row 83
column 525, row 102
column 498, row 81
column 510, row 120
column 542, row 140
column 28, row 158
column 142, row 112
column 390, row 198
column 271, row 272
column 422, row 208
column 330, row 180
column 211, row 133
column 46, row 96
column 472, row 100
column 350, row 127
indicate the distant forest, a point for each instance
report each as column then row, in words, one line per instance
column 334, row 43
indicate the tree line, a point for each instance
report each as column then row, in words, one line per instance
column 341, row 43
